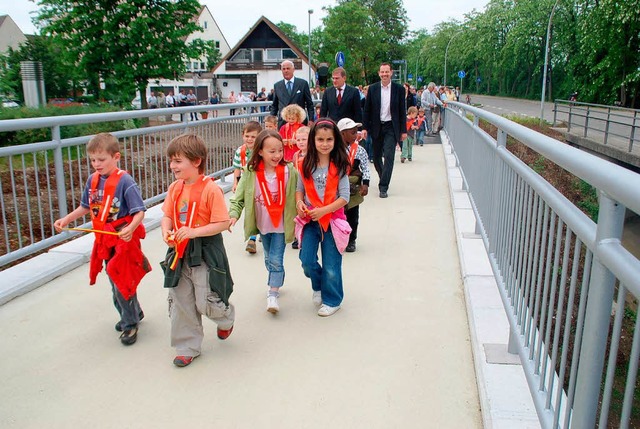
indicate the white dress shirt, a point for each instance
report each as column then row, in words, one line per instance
column 385, row 103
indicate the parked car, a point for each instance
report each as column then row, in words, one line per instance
column 11, row 104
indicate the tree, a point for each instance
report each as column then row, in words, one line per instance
column 125, row 43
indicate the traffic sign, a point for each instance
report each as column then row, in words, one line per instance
column 340, row 59
column 419, row 78
column 398, row 61
column 461, row 74
column 478, row 79
column 410, row 76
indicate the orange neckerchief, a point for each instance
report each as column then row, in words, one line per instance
column 288, row 133
column 330, row 192
column 192, row 212
column 353, row 148
column 243, row 155
column 109, row 191
column 275, row 208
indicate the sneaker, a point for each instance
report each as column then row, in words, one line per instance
column 402, row 160
column 326, row 311
column 119, row 324
column 251, row 246
column 129, row 336
column 317, row 298
column 272, row 304
column 295, row 244
column 351, row 247
column 223, row 334
column 182, row 361
column 409, row 159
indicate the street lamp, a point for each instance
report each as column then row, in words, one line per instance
column 310, row 67
column 446, row 52
column 546, row 62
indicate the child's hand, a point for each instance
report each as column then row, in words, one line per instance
column 184, row 233
column 59, row 224
column 302, row 209
column 364, row 190
column 235, row 185
column 232, row 222
column 317, row 212
column 126, row 234
column 169, row 238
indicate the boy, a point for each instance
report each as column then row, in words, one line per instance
column 423, row 126
column 271, row 123
column 114, row 201
column 359, row 176
column 196, row 267
column 240, row 159
column 412, row 126
column 302, row 139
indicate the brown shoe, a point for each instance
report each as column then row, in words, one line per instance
column 251, row 246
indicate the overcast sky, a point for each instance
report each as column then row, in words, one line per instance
column 235, row 18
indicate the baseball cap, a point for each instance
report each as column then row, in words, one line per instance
column 347, row 124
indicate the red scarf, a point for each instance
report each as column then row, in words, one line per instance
column 353, row 148
column 275, row 208
column 100, row 219
column 330, row 192
column 243, row 155
column 192, row 212
column 288, row 133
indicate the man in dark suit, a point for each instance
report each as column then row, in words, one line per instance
column 385, row 118
column 342, row 100
column 291, row 90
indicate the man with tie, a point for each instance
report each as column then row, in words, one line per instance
column 291, row 90
column 341, row 100
column 385, row 118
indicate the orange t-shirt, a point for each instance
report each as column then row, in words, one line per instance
column 212, row 207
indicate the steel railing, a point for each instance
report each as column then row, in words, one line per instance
column 559, row 274
column 43, row 181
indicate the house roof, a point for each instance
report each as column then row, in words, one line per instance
column 263, row 20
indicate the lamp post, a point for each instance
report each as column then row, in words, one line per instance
column 446, row 52
column 546, row 62
column 310, row 66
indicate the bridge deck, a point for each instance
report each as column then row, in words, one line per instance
column 397, row 355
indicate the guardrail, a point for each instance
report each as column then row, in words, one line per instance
column 559, row 274
column 43, row 181
column 601, row 120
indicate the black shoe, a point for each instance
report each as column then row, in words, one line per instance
column 129, row 336
column 351, row 247
column 383, row 194
column 295, row 244
column 119, row 324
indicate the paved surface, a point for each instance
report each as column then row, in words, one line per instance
column 398, row 355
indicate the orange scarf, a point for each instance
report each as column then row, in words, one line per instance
column 353, row 148
column 243, row 155
column 330, row 193
column 275, row 208
column 100, row 219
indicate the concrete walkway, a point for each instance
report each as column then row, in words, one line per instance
column 398, row 355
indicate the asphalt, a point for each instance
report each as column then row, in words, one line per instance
column 405, row 351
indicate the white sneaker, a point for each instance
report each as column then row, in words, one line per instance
column 325, row 310
column 317, row 298
column 272, row 304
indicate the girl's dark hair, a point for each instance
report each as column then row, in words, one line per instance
column 338, row 154
column 255, row 159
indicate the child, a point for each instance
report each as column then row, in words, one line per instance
column 267, row 189
column 302, row 137
column 271, row 123
column 196, row 267
column 322, row 192
column 294, row 115
column 412, row 126
column 423, row 126
column 240, row 159
column 358, row 176
column 115, row 203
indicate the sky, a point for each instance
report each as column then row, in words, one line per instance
column 236, row 18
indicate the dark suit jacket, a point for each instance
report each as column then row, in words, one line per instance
column 349, row 108
column 301, row 95
column 398, row 110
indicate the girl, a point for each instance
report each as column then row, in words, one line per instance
column 294, row 115
column 302, row 138
column 322, row 192
column 269, row 187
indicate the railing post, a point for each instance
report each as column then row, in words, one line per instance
column 570, row 115
column 586, row 121
column 633, row 130
column 606, row 128
column 497, row 187
column 61, row 188
column 555, row 112
column 597, row 319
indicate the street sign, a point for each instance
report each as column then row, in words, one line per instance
column 398, row 61
column 461, row 74
column 478, row 79
column 410, row 75
column 419, row 78
column 340, row 59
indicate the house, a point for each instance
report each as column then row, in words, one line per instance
column 254, row 62
column 10, row 34
column 198, row 76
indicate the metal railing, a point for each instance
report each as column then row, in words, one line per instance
column 559, row 274
column 609, row 122
column 43, row 181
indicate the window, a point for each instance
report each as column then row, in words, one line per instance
column 242, row 55
column 217, row 44
column 257, row 55
column 188, row 66
column 274, row 54
column 194, row 66
column 202, row 66
column 288, row 54
column 205, row 25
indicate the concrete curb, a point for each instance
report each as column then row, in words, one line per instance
column 504, row 395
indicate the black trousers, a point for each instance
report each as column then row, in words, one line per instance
column 353, row 218
column 384, row 152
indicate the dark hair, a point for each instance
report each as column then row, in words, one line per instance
column 191, row 147
column 255, row 159
column 251, row 126
column 338, row 154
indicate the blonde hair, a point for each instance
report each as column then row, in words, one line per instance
column 191, row 147
column 412, row 109
column 294, row 110
column 103, row 142
column 271, row 119
column 301, row 130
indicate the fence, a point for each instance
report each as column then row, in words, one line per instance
column 43, row 181
column 559, row 273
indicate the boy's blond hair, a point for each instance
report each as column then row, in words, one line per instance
column 191, row 147
column 294, row 110
column 412, row 110
column 271, row 119
column 103, row 142
column 303, row 130
column 251, row 126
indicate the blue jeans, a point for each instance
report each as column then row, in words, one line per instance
column 328, row 277
column 274, row 246
column 420, row 137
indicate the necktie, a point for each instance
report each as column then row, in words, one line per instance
column 339, row 96
column 289, row 87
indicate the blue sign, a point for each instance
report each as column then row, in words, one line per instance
column 410, row 76
column 478, row 79
column 461, row 74
column 340, row 59
column 419, row 78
